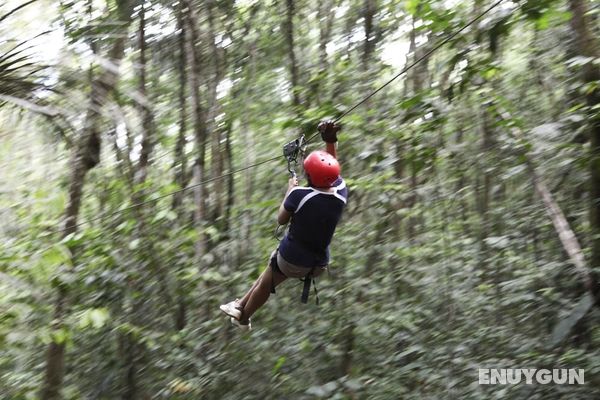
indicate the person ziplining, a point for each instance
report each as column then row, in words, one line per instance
column 313, row 212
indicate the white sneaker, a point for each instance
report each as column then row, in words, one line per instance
column 232, row 309
column 244, row 327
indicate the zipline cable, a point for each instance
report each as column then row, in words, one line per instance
column 345, row 113
column 155, row 199
column 413, row 64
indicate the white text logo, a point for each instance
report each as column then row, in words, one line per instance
column 513, row 376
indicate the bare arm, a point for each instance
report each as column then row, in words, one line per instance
column 331, row 149
column 283, row 216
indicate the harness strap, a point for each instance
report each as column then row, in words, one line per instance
column 308, row 279
column 274, row 267
column 306, row 288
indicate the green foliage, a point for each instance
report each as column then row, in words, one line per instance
column 444, row 262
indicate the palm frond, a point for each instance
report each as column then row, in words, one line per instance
column 19, row 73
column 14, row 10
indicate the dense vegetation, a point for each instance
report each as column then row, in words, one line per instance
column 471, row 238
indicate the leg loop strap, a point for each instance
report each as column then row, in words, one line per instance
column 306, row 289
column 274, row 267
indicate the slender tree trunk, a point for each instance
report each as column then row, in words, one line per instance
column 325, row 17
column 421, row 70
column 399, row 166
column 200, row 131
column 373, row 258
column 180, row 162
column 485, row 181
column 249, row 158
column 180, row 159
column 230, row 178
column 215, row 132
column 290, row 11
column 86, row 156
column 148, row 266
column 462, row 180
column 488, row 142
column 369, row 10
column 416, row 79
column 411, row 226
column 368, row 15
column 148, row 134
column 200, row 128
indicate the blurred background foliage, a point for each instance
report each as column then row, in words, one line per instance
column 113, row 260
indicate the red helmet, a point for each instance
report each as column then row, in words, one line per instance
column 321, row 168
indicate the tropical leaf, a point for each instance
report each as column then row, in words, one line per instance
column 19, row 74
column 14, row 10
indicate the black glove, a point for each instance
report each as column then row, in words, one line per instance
column 328, row 131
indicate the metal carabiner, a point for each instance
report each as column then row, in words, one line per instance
column 291, row 151
column 291, row 170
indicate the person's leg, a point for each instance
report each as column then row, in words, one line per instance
column 260, row 292
column 242, row 302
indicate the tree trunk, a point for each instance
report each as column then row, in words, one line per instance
column 488, row 142
column 199, row 127
column 485, row 186
column 369, row 10
column 325, row 16
column 399, row 166
column 411, row 225
column 416, row 79
column 148, row 267
column 86, row 155
column 368, row 14
column 293, row 64
column 246, row 244
column 213, row 78
column 148, row 135
column 180, row 159
column 230, row 178
column 180, row 163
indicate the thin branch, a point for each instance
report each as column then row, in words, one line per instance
column 14, row 10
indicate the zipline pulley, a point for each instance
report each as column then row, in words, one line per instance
column 291, row 151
